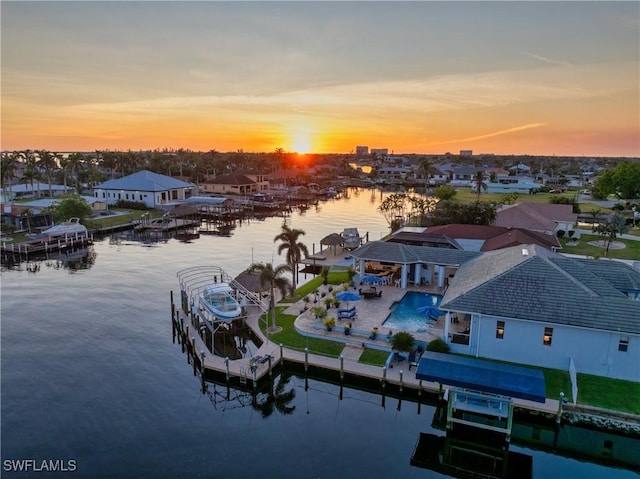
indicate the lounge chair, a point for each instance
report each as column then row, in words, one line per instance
column 347, row 315
column 346, row 310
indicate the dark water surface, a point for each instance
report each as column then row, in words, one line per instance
column 90, row 375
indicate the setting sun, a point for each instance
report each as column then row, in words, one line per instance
column 301, row 141
column 301, row 145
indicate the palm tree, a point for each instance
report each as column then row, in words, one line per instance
column 479, row 184
column 425, row 166
column 273, row 278
column 73, row 164
column 7, row 169
column 293, row 247
column 48, row 162
column 30, row 173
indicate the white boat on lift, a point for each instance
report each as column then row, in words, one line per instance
column 71, row 227
column 219, row 300
column 351, row 238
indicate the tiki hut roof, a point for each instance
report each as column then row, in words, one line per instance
column 251, row 281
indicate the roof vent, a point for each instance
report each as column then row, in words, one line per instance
column 525, row 252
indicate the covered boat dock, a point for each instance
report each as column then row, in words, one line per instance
column 480, row 375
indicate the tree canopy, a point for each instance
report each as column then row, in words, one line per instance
column 623, row 181
column 449, row 212
column 70, row 206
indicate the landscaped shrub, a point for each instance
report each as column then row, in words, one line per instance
column 438, row 346
column 329, row 323
column 403, row 341
column 560, row 234
column 131, row 205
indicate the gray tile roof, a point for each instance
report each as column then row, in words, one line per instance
column 545, row 286
column 402, row 253
column 144, row 181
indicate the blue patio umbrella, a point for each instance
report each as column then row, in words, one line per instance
column 369, row 279
column 348, row 296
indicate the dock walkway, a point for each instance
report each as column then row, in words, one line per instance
column 247, row 370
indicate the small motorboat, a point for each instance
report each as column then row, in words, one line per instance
column 219, row 300
column 351, row 238
column 66, row 228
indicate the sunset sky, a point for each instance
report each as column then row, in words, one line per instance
column 414, row 77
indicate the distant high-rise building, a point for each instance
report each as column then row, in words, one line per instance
column 362, row 150
column 466, row 152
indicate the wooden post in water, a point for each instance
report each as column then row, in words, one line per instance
column 202, row 356
column 281, row 353
column 559, row 413
column 270, row 370
column 400, row 380
column 341, row 366
column 384, row 376
column 306, row 359
column 226, row 364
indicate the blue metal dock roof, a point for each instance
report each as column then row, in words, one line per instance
column 480, row 375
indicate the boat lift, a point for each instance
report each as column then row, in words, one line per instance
column 194, row 282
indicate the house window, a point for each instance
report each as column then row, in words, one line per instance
column 548, row 334
column 500, row 330
column 623, row 345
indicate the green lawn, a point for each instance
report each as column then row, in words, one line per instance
column 374, row 357
column 469, row 196
column 606, row 393
column 335, row 278
column 289, row 338
column 631, row 251
column 122, row 219
column 557, row 381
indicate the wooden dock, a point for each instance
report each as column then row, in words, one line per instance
column 17, row 252
column 248, row 372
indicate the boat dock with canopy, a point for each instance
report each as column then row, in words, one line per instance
column 479, row 415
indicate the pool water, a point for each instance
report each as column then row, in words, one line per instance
column 407, row 314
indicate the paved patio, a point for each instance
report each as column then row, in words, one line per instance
column 371, row 313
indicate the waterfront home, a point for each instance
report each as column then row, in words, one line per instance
column 236, row 184
column 33, row 190
column 541, row 217
column 146, row 187
column 464, row 175
column 512, row 184
column 525, row 304
column 472, row 237
column 529, row 305
column 410, row 264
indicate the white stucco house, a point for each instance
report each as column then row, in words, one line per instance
column 529, row 305
column 146, row 187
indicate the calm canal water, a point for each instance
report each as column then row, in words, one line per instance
column 90, row 375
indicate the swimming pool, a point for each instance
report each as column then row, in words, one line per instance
column 409, row 313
